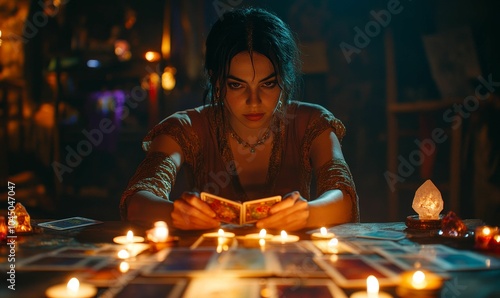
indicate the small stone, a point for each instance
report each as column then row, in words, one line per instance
column 452, row 225
column 428, row 202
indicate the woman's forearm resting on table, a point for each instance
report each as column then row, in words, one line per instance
column 332, row 207
column 143, row 206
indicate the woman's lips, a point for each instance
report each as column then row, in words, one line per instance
column 254, row 117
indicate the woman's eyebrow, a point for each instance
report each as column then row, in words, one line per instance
column 243, row 81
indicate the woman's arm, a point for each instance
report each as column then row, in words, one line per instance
column 144, row 206
column 333, row 206
column 147, row 196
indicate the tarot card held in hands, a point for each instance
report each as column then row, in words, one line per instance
column 239, row 213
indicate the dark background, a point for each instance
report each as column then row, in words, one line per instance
column 54, row 69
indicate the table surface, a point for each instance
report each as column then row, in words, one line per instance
column 33, row 283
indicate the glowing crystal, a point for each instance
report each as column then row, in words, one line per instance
column 22, row 219
column 428, row 202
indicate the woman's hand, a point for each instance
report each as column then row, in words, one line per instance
column 292, row 212
column 191, row 213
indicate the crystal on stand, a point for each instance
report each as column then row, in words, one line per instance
column 428, row 202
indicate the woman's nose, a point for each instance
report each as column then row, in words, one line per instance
column 253, row 98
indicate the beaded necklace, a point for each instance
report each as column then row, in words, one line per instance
column 259, row 142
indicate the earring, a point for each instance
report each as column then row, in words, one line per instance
column 279, row 105
column 216, row 96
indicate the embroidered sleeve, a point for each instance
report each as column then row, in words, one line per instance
column 179, row 128
column 156, row 174
column 320, row 124
column 335, row 174
column 323, row 121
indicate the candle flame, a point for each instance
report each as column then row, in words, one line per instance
column 221, row 233
column 130, row 236
column 160, row 231
column 152, row 56
column 372, row 286
column 323, row 231
column 73, row 285
column 284, row 235
column 262, row 233
column 486, row 231
column 168, row 78
column 497, row 238
column 418, row 280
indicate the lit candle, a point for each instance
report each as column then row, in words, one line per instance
column 159, row 233
column 284, row 235
column 262, row 234
column 128, row 239
column 73, row 289
column 257, row 236
column 483, row 236
column 372, row 290
column 285, row 238
column 219, row 233
column 418, row 280
column 323, row 234
column 418, row 283
column 495, row 243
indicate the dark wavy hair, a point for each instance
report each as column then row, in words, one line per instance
column 250, row 30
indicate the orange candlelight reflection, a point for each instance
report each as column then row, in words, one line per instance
column 483, row 236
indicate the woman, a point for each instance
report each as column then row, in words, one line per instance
column 250, row 141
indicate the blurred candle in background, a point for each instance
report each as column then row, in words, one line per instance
column 483, row 236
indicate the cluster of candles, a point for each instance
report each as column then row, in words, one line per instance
column 75, row 289
column 487, row 238
column 223, row 238
column 417, row 283
column 412, row 282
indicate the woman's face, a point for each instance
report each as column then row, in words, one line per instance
column 252, row 92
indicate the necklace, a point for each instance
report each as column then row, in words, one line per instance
column 259, row 142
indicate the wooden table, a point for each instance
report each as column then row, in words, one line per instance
column 478, row 283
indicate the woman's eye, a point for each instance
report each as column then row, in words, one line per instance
column 234, row 85
column 270, row 84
